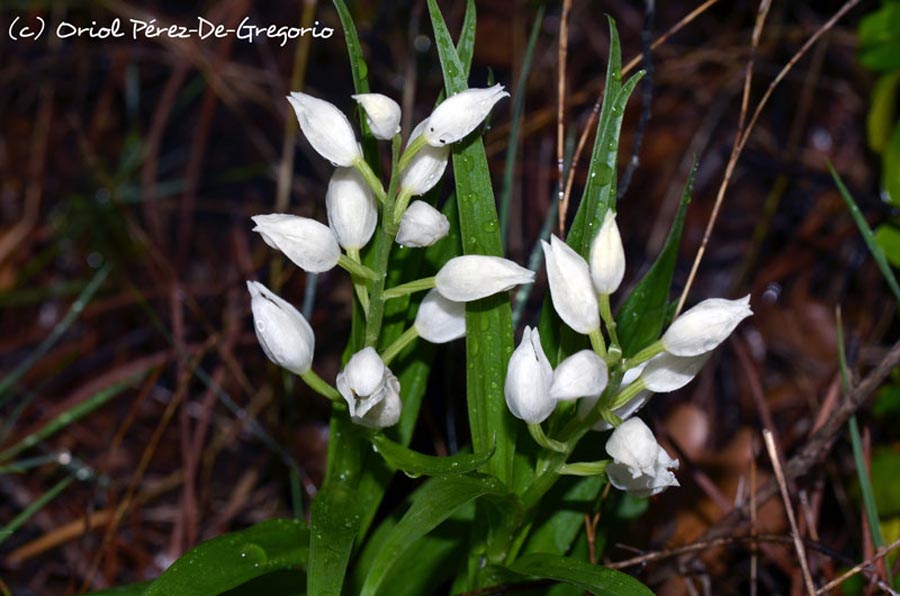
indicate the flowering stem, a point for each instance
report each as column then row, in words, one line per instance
column 597, row 343
column 584, row 468
column 417, row 144
column 355, row 268
column 320, row 386
column 403, row 198
column 383, row 244
column 537, row 433
column 371, row 178
column 606, row 313
column 406, row 338
column 644, row 355
column 426, row 283
column 627, row 394
column 362, row 293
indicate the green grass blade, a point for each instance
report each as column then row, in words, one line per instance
column 489, row 340
column 518, row 108
column 862, row 471
column 414, row 463
column 230, row 560
column 38, row 504
column 76, row 309
column 868, row 236
column 586, row 576
column 643, row 315
column 433, row 503
column 71, row 415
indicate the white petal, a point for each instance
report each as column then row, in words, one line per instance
column 460, row 114
column 528, row 378
column 326, row 128
column 571, row 288
column 472, row 277
column 365, row 371
column 308, row 243
column 581, row 374
column 440, row 320
column 702, row 328
column 625, row 411
column 665, row 372
column 634, row 445
column 422, row 225
column 607, row 256
column 426, row 167
column 352, row 210
column 382, row 114
column 283, row 333
column 386, row 411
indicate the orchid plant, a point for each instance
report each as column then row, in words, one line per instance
column 575, row 381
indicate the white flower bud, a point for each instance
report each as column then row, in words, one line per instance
column 426, row 167
column 326, row 128
column 422, row 225
column 625, row 411
column 285, row 336
column 528, row 379
column 382, row 114
column 705, row 326
column 352, row 211
column 440, row 320
column 308, row 243
column 571, row 290
column 607, row 256
column 472, row 277
column 582, row 374
column 640, row 466
column 370, row 389
column 665, row 372
column 460, row 114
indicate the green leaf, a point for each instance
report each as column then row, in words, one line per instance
column 335, row 521
column 888, row 238
column 882, row 115
column 890, row 168
column 280, row 583
column 867, row 235
column 879, row 38
column 885, row 472
column 642, row 317
column 230, row 560
column 433, row 503
column 600, row 191
column 593, row 578
column 413, row 463
column 489, row 340
column 562, row 514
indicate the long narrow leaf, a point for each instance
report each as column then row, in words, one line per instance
column 593, row 578
column 643, row 315
column 432, row 504
column 414, row 463
column 489, row 321
column 233, row 559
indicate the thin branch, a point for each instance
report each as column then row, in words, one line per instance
column 879, row 554
column 560, row 112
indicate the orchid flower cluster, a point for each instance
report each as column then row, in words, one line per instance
column 608, row 387
column 356, row 203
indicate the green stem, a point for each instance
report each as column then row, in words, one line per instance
column 320, row 386
column 606, row 314
column 359, row 284
column 355, row 268
column 411, row 287
column 403, row 198
column 597, row 343
column 646, row 354
column 371, row 178
column 627, row 394
column 417, row 144
column 584, row 468
column 383, row 244
column 406, row 338
column 537, row 433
